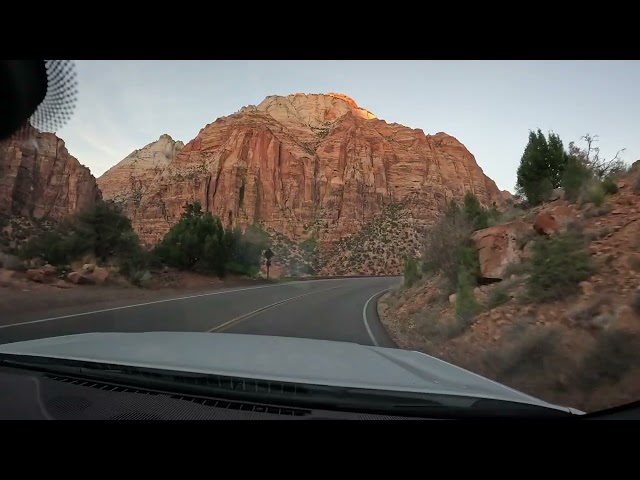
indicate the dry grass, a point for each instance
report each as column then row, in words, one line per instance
column 613, row 355
column 593, row 313
column 599, row 234
column 393, row 299
column 430, row 324
column 517, row 268
column 11, row 262
column 527, row 354
column 634, row 262
column 591, row 192
column 497, row 296
column 597, row 211
column 635, row 303
column 509, row 215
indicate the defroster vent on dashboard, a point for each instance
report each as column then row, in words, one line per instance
column 68, row 404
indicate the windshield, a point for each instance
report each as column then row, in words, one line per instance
column 417, row 233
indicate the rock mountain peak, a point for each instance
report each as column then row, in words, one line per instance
column 127, row 180
column 304, row 163
column 331, row 95
column 313, row 110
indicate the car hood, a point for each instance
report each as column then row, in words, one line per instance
column 285, row 359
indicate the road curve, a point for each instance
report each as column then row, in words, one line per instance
column 332, row 309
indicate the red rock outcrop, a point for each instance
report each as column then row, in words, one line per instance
column 498, row 247
column 545, row 224
column 507, row 197
column 553, row 217
column 305, row 164
column 40, row 179
column 127, row 181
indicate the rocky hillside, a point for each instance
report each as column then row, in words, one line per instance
column 127, row 181
column 39, row 179
column 310, row 165
column 557, row 310
column 379, row 247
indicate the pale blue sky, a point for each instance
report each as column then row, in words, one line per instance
column 488, row 105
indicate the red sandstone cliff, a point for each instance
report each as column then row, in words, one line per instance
column 127, row 181
column 311, row 163
column 40, row 179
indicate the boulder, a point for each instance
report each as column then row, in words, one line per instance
column 79, row 279
column 498, row 247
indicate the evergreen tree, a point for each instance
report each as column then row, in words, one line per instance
column 541, row 166
column 478, row 216
column 200, row 242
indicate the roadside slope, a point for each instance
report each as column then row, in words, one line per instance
column 577, row 340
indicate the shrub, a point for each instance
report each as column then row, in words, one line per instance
column 11, row 262
column 545, row 189
column 558, row 265
column 443, row 245
column 609, row 186
column 597, row 211
column 430, row 324
column 611, row 357
column 575, row 175
column 411, row 274
column 526, row 354
column 592, row 192
column 475, row 214
column 498, row 296
column 137, row 265
column 586, row 313
column 466, row 304
column 517, row 268
column 199, row 242
column 586, row 173
column 102, row 231
column 309, row 245
column 510, row 214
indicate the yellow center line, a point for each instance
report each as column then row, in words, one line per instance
column 245, row 316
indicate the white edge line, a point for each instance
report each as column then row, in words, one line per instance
column 219, row 292
column 364, row 316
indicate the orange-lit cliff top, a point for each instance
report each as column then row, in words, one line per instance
column 344, row 97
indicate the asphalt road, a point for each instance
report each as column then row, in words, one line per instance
column 333, row 309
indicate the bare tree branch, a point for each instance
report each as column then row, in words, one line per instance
column 591, row 157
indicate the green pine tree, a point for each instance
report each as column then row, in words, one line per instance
column 200, row 242
column 541, row 166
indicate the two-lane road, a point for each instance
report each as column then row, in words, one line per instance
column 332, row 309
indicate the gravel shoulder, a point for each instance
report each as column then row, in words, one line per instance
column 21, row 299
